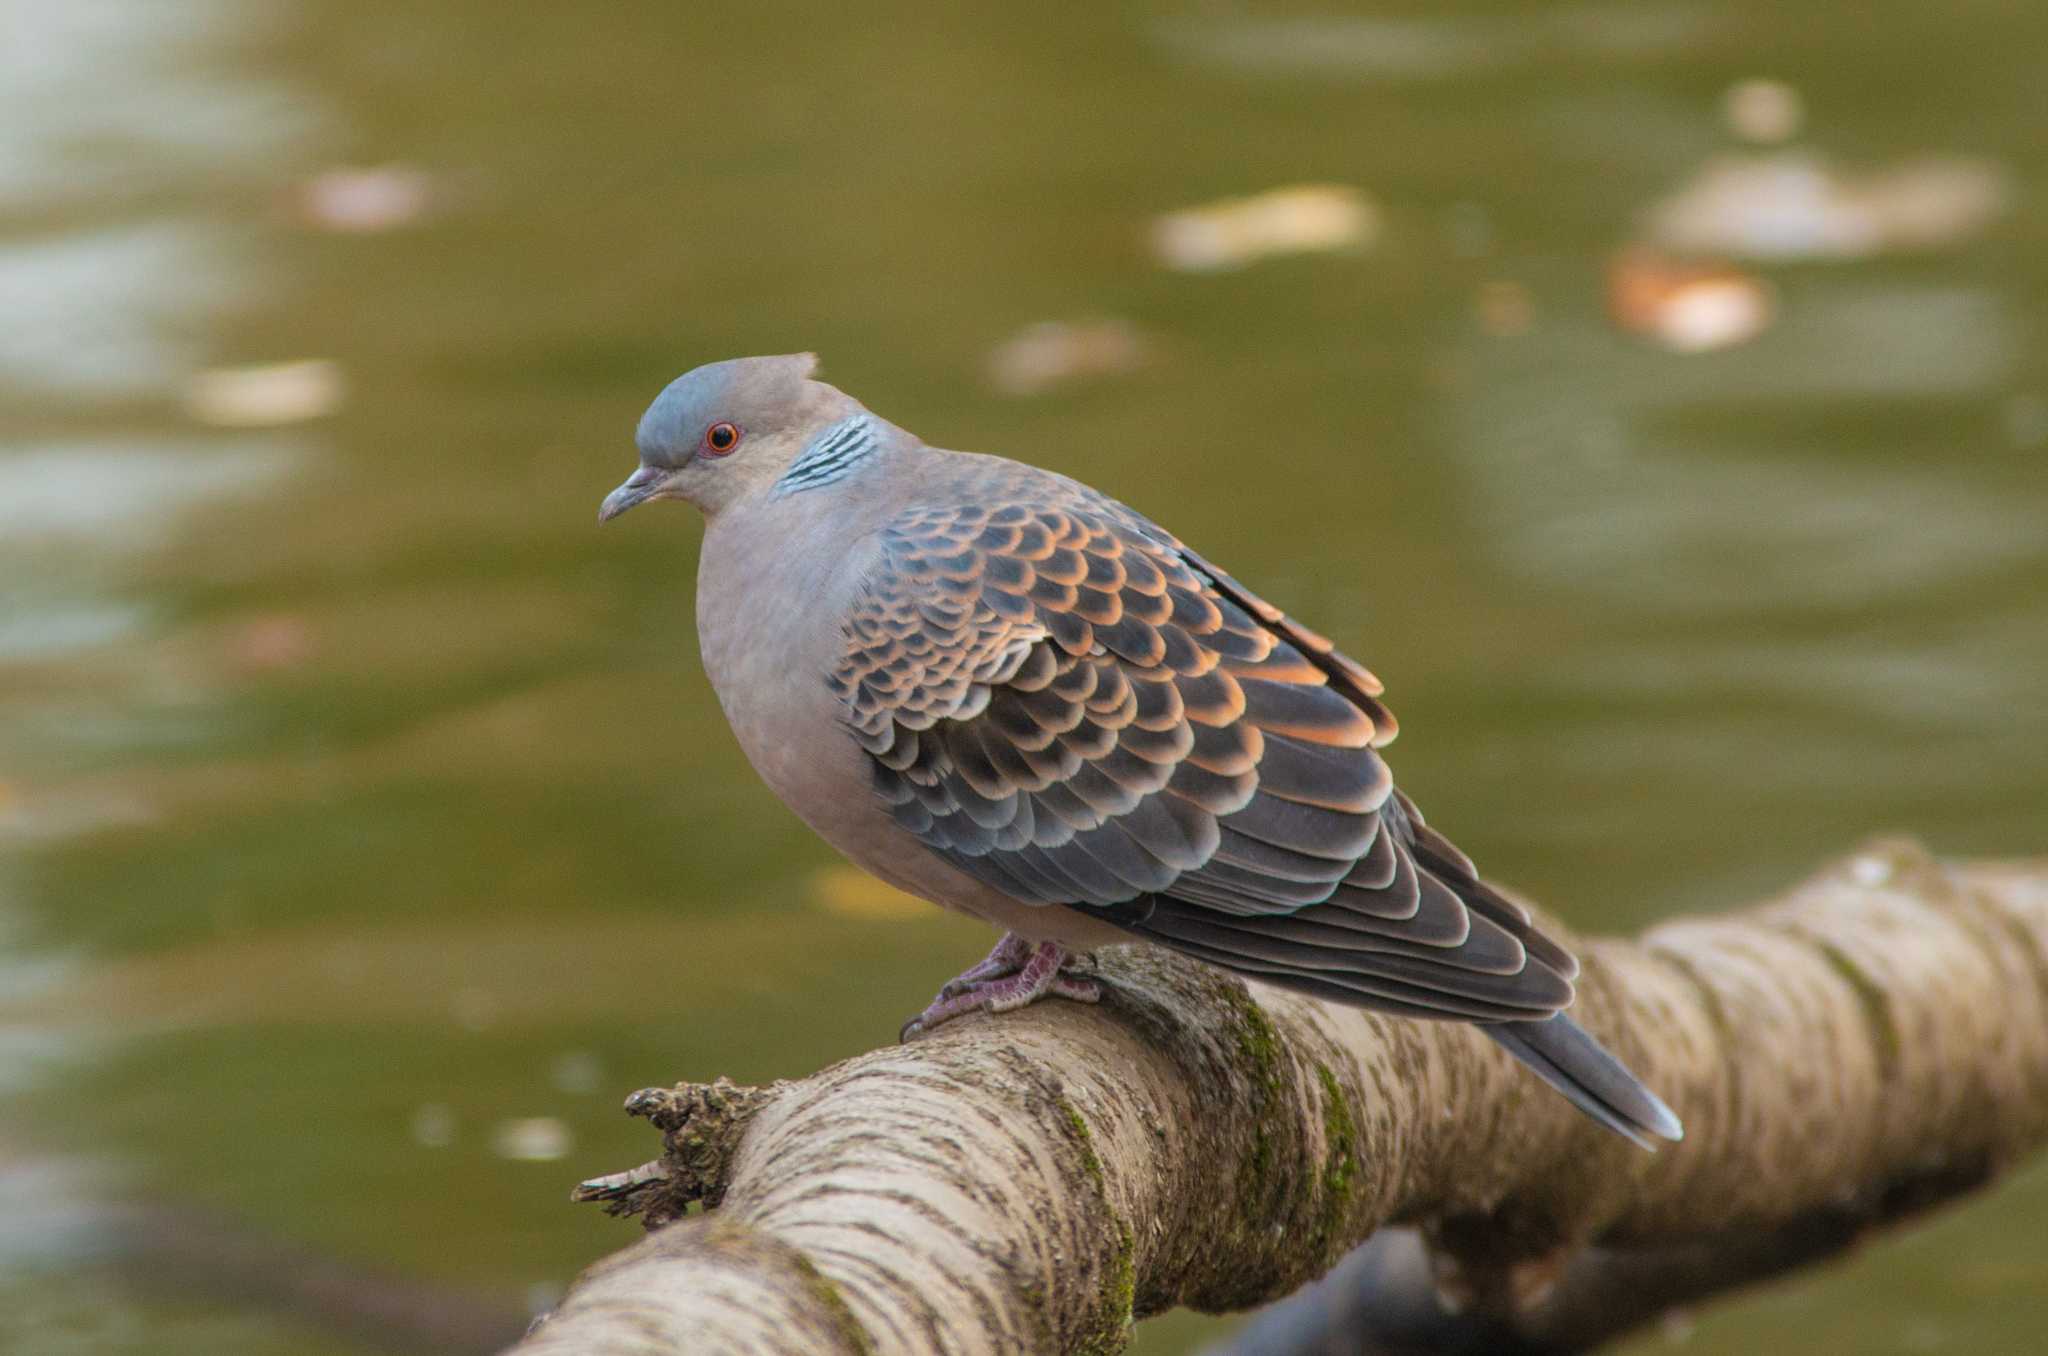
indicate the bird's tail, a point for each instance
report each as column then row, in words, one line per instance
column 1595, row 1082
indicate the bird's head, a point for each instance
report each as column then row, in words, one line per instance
column 724, row 431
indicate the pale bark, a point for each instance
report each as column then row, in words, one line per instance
column 1875, row 1040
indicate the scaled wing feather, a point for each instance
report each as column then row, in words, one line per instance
column 1063, row 701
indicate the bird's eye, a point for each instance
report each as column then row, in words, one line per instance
column 721, row 438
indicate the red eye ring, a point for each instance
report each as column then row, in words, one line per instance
column 721, row 438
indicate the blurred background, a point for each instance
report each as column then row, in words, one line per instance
column 1654, row 392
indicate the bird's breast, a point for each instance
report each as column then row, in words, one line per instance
column 770, row 627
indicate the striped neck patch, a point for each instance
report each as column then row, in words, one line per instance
column 831, row 456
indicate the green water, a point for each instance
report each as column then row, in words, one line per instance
column 353, row 784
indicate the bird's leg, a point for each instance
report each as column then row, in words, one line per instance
column 1016, row 973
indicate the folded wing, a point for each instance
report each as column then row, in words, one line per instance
column 1063, row 701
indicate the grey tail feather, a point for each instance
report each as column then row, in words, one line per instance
column 1595, row 1082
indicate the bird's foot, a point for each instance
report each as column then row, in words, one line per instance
column 1006, row 958
column 1016, row 973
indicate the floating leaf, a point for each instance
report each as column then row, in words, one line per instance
column 266, row 394
column 1790, row 205
column 1687, row 306
column 1052, row 353
column 363, row 199
column 1234, row 232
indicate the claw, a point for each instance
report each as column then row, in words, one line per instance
column 1006, row 958
column 1015, row 974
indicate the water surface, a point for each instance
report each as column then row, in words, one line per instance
column 367, row 829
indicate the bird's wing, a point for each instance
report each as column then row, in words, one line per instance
column 1064, row 702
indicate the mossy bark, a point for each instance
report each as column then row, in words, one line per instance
column 1033, row 1181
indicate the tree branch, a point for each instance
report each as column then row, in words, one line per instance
column 1036, row 1180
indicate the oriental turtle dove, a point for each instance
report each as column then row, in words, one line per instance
column 1009, row 694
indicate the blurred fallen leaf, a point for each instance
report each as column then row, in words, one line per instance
column 1468, row 227
column 1047, row 354
column 1763, row 111
column 361, row 199
column 265, row 394
column 433, row 1125
column 474, row 1009
column 852, row 893
column 1791, row 205
column 1687, row 306
column 532, row 1139
column 280, row 641
column 1236, row 231
column 1506, row 309
column 576, row 1071
column 52, row 814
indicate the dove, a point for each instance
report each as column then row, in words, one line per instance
column 1006, row 693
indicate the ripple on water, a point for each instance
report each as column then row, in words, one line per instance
column 105, row 314
column 114, row 96
column 106, row 495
